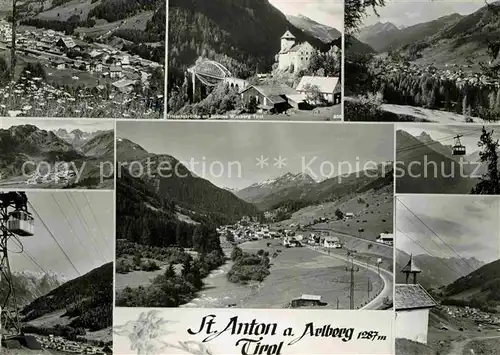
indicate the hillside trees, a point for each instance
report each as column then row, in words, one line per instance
column 490, row 181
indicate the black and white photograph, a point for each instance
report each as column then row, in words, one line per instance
column 422, row 61
column 447, row 275
column 268, row 60
column 56, row 272
column 254, row 215
column 82, row 58
column 440, row 159
column 56, row 154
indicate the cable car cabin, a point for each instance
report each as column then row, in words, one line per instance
column 21, row 223
column 459, row 150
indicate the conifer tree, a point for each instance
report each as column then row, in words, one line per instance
column 490, row 181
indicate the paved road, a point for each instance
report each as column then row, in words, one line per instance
column 387, row 278
column 386, row 275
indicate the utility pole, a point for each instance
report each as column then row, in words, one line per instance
column 352, row 269
column 337, row 303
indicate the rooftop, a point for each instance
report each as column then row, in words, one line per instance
column 411, row 267
column 325, row 84
column 413, row 296
column 288, row 35
column 310, row 297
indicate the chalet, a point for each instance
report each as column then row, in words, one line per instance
column 115, row 71
column 124, row 85
column 272, row 98
column 295, row 243
column 329, row 87
column 59, row 64
column 412, row 307
column 66, row 43
column 306, row 301
column 386, row 238
column 332, row 242
column 95, row 67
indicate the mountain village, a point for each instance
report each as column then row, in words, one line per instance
column 52, row 342
column 117, row 76
column 295, row 235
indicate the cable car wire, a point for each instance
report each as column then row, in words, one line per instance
column 85, row 225
column 53, row 237
column 98, row 225
column 413, row 146
column 428, row 252
column 433, row 232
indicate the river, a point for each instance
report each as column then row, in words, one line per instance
column 294, row 272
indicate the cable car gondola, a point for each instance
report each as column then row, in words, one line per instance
column 21, row 223
column 458, row 148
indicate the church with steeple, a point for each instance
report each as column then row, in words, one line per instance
column 294, row 56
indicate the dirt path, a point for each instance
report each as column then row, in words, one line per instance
column 458, row 347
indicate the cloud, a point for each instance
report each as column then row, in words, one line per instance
column 467, row 224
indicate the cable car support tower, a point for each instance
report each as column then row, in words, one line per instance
column 15, row 221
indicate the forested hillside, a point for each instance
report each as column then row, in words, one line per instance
column 87, row 301
column 243, row 35
column 147, row 218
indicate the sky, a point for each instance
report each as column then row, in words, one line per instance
column 411, row 12
column 229, row 150
column 326, row 12
column 85, row 125
column 445, row 134
column 81, row 222
column 470, row 225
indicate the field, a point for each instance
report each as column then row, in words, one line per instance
column 295, row 271
column 374, row 219
column 428, row 115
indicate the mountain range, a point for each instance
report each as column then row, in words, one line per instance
column 86, row 302
column 449, row 39
column 181, row 186
column 436, row 272
column 28, row 286
column 76, row 137
column 19, row 144
column 268, row 194
column 445, row 176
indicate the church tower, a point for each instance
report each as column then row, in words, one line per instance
column 287, row 41
column 412, row 269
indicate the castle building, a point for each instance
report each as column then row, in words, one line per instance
column 294, row 55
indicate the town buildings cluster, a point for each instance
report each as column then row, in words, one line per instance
column 471, row 313
column 60, row 173
column 460, row 75
column 73, row 347
column 105, row 62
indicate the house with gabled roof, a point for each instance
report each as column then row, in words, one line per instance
column 329, row 87
column 66, row 43
column 272, row 98
column 412, row 305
